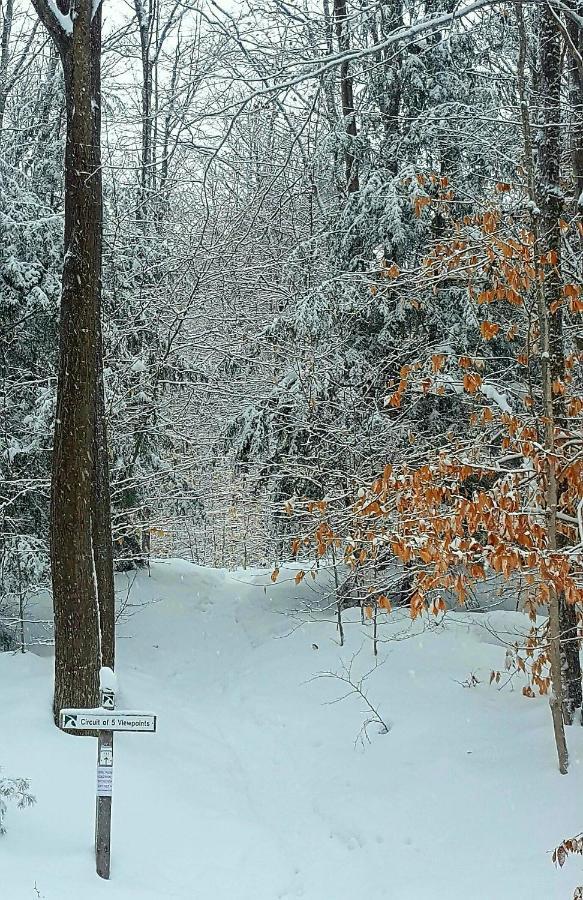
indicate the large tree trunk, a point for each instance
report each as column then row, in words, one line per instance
column 550, row 202
column 80, row 526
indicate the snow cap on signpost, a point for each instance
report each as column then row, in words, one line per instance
column 107, row 680
column 107, row 687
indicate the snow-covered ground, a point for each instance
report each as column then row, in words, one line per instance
column 253, row 788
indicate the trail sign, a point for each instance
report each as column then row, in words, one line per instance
column 108, row 699
column 105, row 720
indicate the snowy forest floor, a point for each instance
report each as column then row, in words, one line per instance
column 254, row 788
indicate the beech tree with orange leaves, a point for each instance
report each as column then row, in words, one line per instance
column 504, row 502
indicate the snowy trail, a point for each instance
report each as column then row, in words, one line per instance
column 253, row 788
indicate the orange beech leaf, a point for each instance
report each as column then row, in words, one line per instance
column 417, row 604
column 472, row 382
column 502, row 186
column 401, row 550
column 576, row 304
column 295, row 546
column 487, row 414
column 489, row 222
column 558, row 387
column 571, row 290
column 274, row 575
column 484, row 297
column 372, row 509
column 425, row 554
column 385, row 603
column 393, row 271
column 488, row 330
column 368, row 612
column 420, row 203
column 300, row 576
column 437, row 361
column 464, row 362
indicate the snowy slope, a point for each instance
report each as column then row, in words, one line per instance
column 254, row 789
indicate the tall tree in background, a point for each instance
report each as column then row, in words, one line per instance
column 554, row 373
column 81, row 555
column 347, row 96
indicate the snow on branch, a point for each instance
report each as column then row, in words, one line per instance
column 495, row 396
column 65, row 21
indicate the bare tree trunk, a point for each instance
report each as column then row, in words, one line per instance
column 101, row 499
column 145, row 17
column 551, row 206
column 347, row 97
column 7, row 16
column 80, row 527
column 575, row 54
column 554, row 647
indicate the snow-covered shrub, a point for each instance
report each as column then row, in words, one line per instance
column 15, row 790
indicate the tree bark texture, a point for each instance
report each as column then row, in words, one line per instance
column 347, row 97
column 551, row 205
column 80, row 530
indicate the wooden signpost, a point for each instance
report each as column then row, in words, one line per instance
column 105, row 721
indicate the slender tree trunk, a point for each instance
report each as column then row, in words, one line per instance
column 551, row 206
column 7, row 16
column 101, row 499
column 347, row 97
column 145, row 15
column 575, row 57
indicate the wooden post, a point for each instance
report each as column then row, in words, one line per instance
column 104, row 792
column 105, row 721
